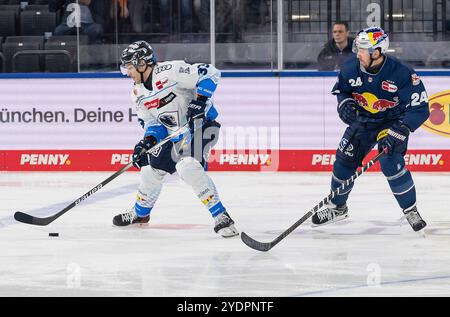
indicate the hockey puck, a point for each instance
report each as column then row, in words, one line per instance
column 53, row 234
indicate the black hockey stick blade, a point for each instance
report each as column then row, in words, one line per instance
column 266, row 246
column 25, row 218
column 31, row 220
column 252, row 243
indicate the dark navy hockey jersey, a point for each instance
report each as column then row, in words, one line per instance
column 395, row 92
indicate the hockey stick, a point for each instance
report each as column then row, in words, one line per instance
column 32, row 220
column 266, row 246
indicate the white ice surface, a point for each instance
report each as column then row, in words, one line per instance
column 178, row 254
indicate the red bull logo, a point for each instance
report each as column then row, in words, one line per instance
column 439, row 120
column 383, row 104
column 375, row 36
column 371, row 103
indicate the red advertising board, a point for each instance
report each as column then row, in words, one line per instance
column 220, row 160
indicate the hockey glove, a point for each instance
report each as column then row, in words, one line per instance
column 141, row 157
column 347, row 111
column 396, row 140
column 196, row 110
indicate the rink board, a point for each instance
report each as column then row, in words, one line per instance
column 220, row 160
column 268, row 124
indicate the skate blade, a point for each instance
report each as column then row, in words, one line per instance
column 421, row 233
column 228, row 232
column 336, row 219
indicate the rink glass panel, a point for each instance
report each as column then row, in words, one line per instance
column 245, row 34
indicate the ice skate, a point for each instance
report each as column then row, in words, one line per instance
column 129, row 217
column 224, row 225
column 415, row 220
column 331, row 213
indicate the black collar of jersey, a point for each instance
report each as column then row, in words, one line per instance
column 148, row 82
column 375, row 70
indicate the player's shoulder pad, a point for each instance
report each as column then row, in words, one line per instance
column 403, row 72
column 180, row 67
column 164, row 67
column 350, row 66
column 396, row 65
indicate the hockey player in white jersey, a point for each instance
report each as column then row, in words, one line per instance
column 167, row 96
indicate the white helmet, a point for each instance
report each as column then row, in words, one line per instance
column 371, row 39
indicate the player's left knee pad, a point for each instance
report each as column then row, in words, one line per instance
column 392, row 165
column 150, row 178
column 189, row 169
column 399, row 179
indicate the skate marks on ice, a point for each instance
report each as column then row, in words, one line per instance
column 373, row 228
column 372, row 290
column 164, row 226
column 368, row 254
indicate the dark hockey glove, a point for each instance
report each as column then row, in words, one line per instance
column 196, row 111
column 347, row 111
column 141, row 157
column 396, row 140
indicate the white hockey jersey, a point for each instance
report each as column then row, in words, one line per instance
column 173, row 85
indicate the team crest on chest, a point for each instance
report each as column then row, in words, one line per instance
column 169, row 119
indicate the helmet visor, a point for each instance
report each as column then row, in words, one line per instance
column 361, row 43
column 124, row 67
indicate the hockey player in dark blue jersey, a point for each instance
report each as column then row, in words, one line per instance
column 382, row 101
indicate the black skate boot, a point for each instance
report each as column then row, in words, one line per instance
column 128, row 218
column 414, row 218
column 224, row 225
column 331, row 213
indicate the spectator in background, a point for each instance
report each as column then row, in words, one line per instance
column 187, row 17
column 256, row 12
column 194, row 16
column 228, row 19
column 165, row 17
column 336, row 51
column 100, row 10
column 119, row 11
column 136, row 13
column 133, row 9
column 123, row 6
column 68, row 26
column 55, row 5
